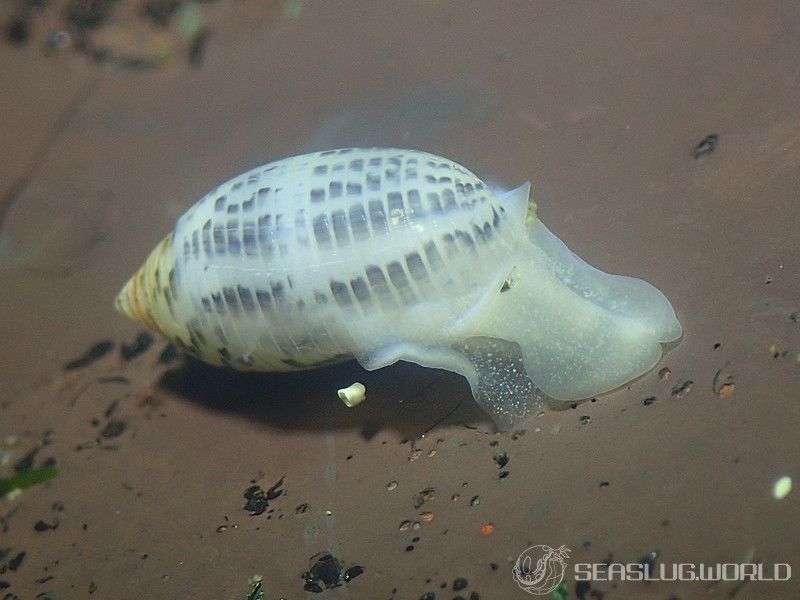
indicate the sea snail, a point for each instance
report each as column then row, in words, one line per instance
column 386, row 255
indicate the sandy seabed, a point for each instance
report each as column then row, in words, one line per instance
column 177, row 480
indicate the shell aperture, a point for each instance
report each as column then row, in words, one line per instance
column 387, row 255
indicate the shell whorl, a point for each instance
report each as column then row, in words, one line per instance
column 277, row 268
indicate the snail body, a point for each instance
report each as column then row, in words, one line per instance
column 387, row 255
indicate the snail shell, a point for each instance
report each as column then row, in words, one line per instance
column 387, row 255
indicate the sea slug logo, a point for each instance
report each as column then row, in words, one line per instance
column 540, row 569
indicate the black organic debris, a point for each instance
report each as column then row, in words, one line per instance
column 142, row 342
column 96, row 352
column 326, row 572
column 169, row 355
column 681, row 390
column 114, row 428
column 258, row 500
column 706, row 146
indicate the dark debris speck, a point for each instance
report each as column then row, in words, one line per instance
column 114, row 428
column 256, row 504
column 96, row 352
column 25, row 463
column 275, row 490
column 353, row 572
column 681, row 390
column 41, row 525
column 111, row 409
column 258, row 499
column 313, row 586
column 17, row 31
column 16, row 561
column 501, row 459
column 706, row 146
column 169, row 354
column 139, row 345
column 326, row 572
column 198, row 46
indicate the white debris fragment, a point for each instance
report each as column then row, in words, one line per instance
column 353, row 395
column 782, row 488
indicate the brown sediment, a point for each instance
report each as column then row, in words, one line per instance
column 496, row 87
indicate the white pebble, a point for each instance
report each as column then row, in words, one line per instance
column 353, row 395
column 782, row 487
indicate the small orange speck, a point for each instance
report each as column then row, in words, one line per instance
column 726, row 389
column 487, row 529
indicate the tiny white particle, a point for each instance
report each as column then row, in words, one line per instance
column 782, row 487
column 353, row 394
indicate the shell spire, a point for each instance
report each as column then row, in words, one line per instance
column 148, row 295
